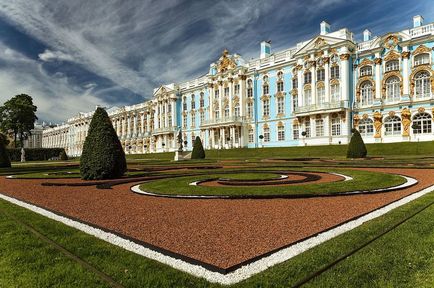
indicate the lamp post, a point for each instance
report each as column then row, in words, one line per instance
column 260, row 138
column 304, row 137
column 416, row 126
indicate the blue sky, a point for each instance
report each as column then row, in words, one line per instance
column 72, row 55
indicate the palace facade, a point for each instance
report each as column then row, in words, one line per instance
column 310, row 94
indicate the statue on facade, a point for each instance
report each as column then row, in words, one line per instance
column 180, row 146
column 23, row 155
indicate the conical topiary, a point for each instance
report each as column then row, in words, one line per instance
column 103, row 156
column 198, row 151
column 4, row 156
column 356, row 148
column 63, row 156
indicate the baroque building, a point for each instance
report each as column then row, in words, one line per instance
column 310, row 94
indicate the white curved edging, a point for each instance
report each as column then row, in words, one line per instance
column 409, row 182
column 195, row 183
column 239, row 274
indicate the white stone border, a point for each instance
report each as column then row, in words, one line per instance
column 239, row 274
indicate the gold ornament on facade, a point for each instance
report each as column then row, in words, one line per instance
column 307, row 86
column 378, row 61
column 265, row 126
column 406, row 121
column 359, row 83
column 356, row 119
column 320, row 84
column 391, row 113
column 299, row 67
column 306, row 57
column 405, row 55
column 295, row 121
column 387, row 75
column 320, row 42
column 326, row 60
column 265, row 97
column 418, row 69
column 378, row 122
column 225, row 63
column 421, row 49
column 365, row 62
column 392, row 55
column 294, row 92
column 421, row 110
column 334, row 82
column 391, row 42
column 365, row 116
column 344, row 57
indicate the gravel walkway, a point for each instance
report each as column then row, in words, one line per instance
column 222, row 233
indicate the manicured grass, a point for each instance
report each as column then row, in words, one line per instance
column 402, row 258
column 362, row 180
column 250, row 176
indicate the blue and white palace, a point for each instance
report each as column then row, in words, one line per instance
column 310, row 94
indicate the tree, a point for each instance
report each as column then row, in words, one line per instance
column 4, row 157
column 356, row 148
column 198, row 151
column 103, row 156
column 17, row 116
column 63, row 156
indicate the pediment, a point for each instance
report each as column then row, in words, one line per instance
column 163, row 91
column 318, row 43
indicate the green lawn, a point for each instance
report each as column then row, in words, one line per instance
column 362, row 180
column 401, row 258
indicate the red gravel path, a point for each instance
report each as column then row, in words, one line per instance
column 219, row 232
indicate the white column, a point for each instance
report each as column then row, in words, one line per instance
column 135, row 125
column 300, row 88
column 405, row 80
column 124, row 122
column 148, row 122
column 221, row 96
column 377, row 76
column 129, row 125
column 174, row 120
column 230, row 98
column 345, row 76
column 327, row 81
column 142, row 123
column 211, row 101
column 313, row 85
column 242, row 96
column 166, row 118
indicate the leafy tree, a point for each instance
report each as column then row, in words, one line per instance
column 103, row 156
column 356, row 148
column 198, row 151
column 4, row 157
column 17, row 116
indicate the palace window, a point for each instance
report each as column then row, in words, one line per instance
column 281, row 105
column 217, row 112
column 392, row 125
column 295, row 132
column 202, row 100
column 422, row 85
column 320, row 94
column 227, row 111
column 184, row 120
column 237, row 89
column 294, row 102
column 251, row 135
column 280, row 86
column 281, row 133
column 202, row 117
column 307, row 128
column 336, row 126
column 237, row 110
column 366, row 71
column 216, row 94
column 193, row 120
column 169, row 120
column 250, row 109
column 193, row 102
column 265, row 89
column 266, row 107
column 392, row 65
column 320, row 75
column 335, row 58
column 366, row 127
column 294, row 83
column 184, row 104
column 319, row 127
column 392, row 89
column 307, row 78
column 334, row 72
column 237, row 135
column 226, row 91
column 266, row 134
column 421, row 59
column 366, row 93
column 422, row 123
column 335, row 92
column 169, row 108
column 249, row 88
column 307, row 97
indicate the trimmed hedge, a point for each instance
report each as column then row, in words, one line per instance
column 35, row 154
column 103, row 156
column 356, row 148
column 198, row 151
column 4, row 157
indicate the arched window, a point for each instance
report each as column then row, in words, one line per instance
column 265, row 87
column 202, row 100
column 193, row 102
column 393, row 92
column 216, row 94
column 366, row 71
column 294, row 83
column 237, row 110
column 251, row 135
column 249, row 88
column 421, row 59
column 422, row 85
column 280, row 105
column 335, row 92
column 366, row 93
column 319, row 127
column 307, row 78
column 422, row 123
column 307, row 96
column 217, row 111
column 184, row 104
column 294, row 102
column 392, row 125
column 392, row 65
column 226, row 91
column 336, row 126
column 280, row 133
column 320, row 94
column 227, row 111
column 266, row 134
column 266, row 107
column 250, row 109
column 280, row 81
column 366, row 127
column 334, row 72
column 320, row 75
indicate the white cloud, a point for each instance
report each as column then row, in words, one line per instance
column 49, row 55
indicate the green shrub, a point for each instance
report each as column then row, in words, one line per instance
column 4, row 157
column 198, row 151
column 63, row 156
column 103, row 156
column 356, row 148
column 35, row 154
